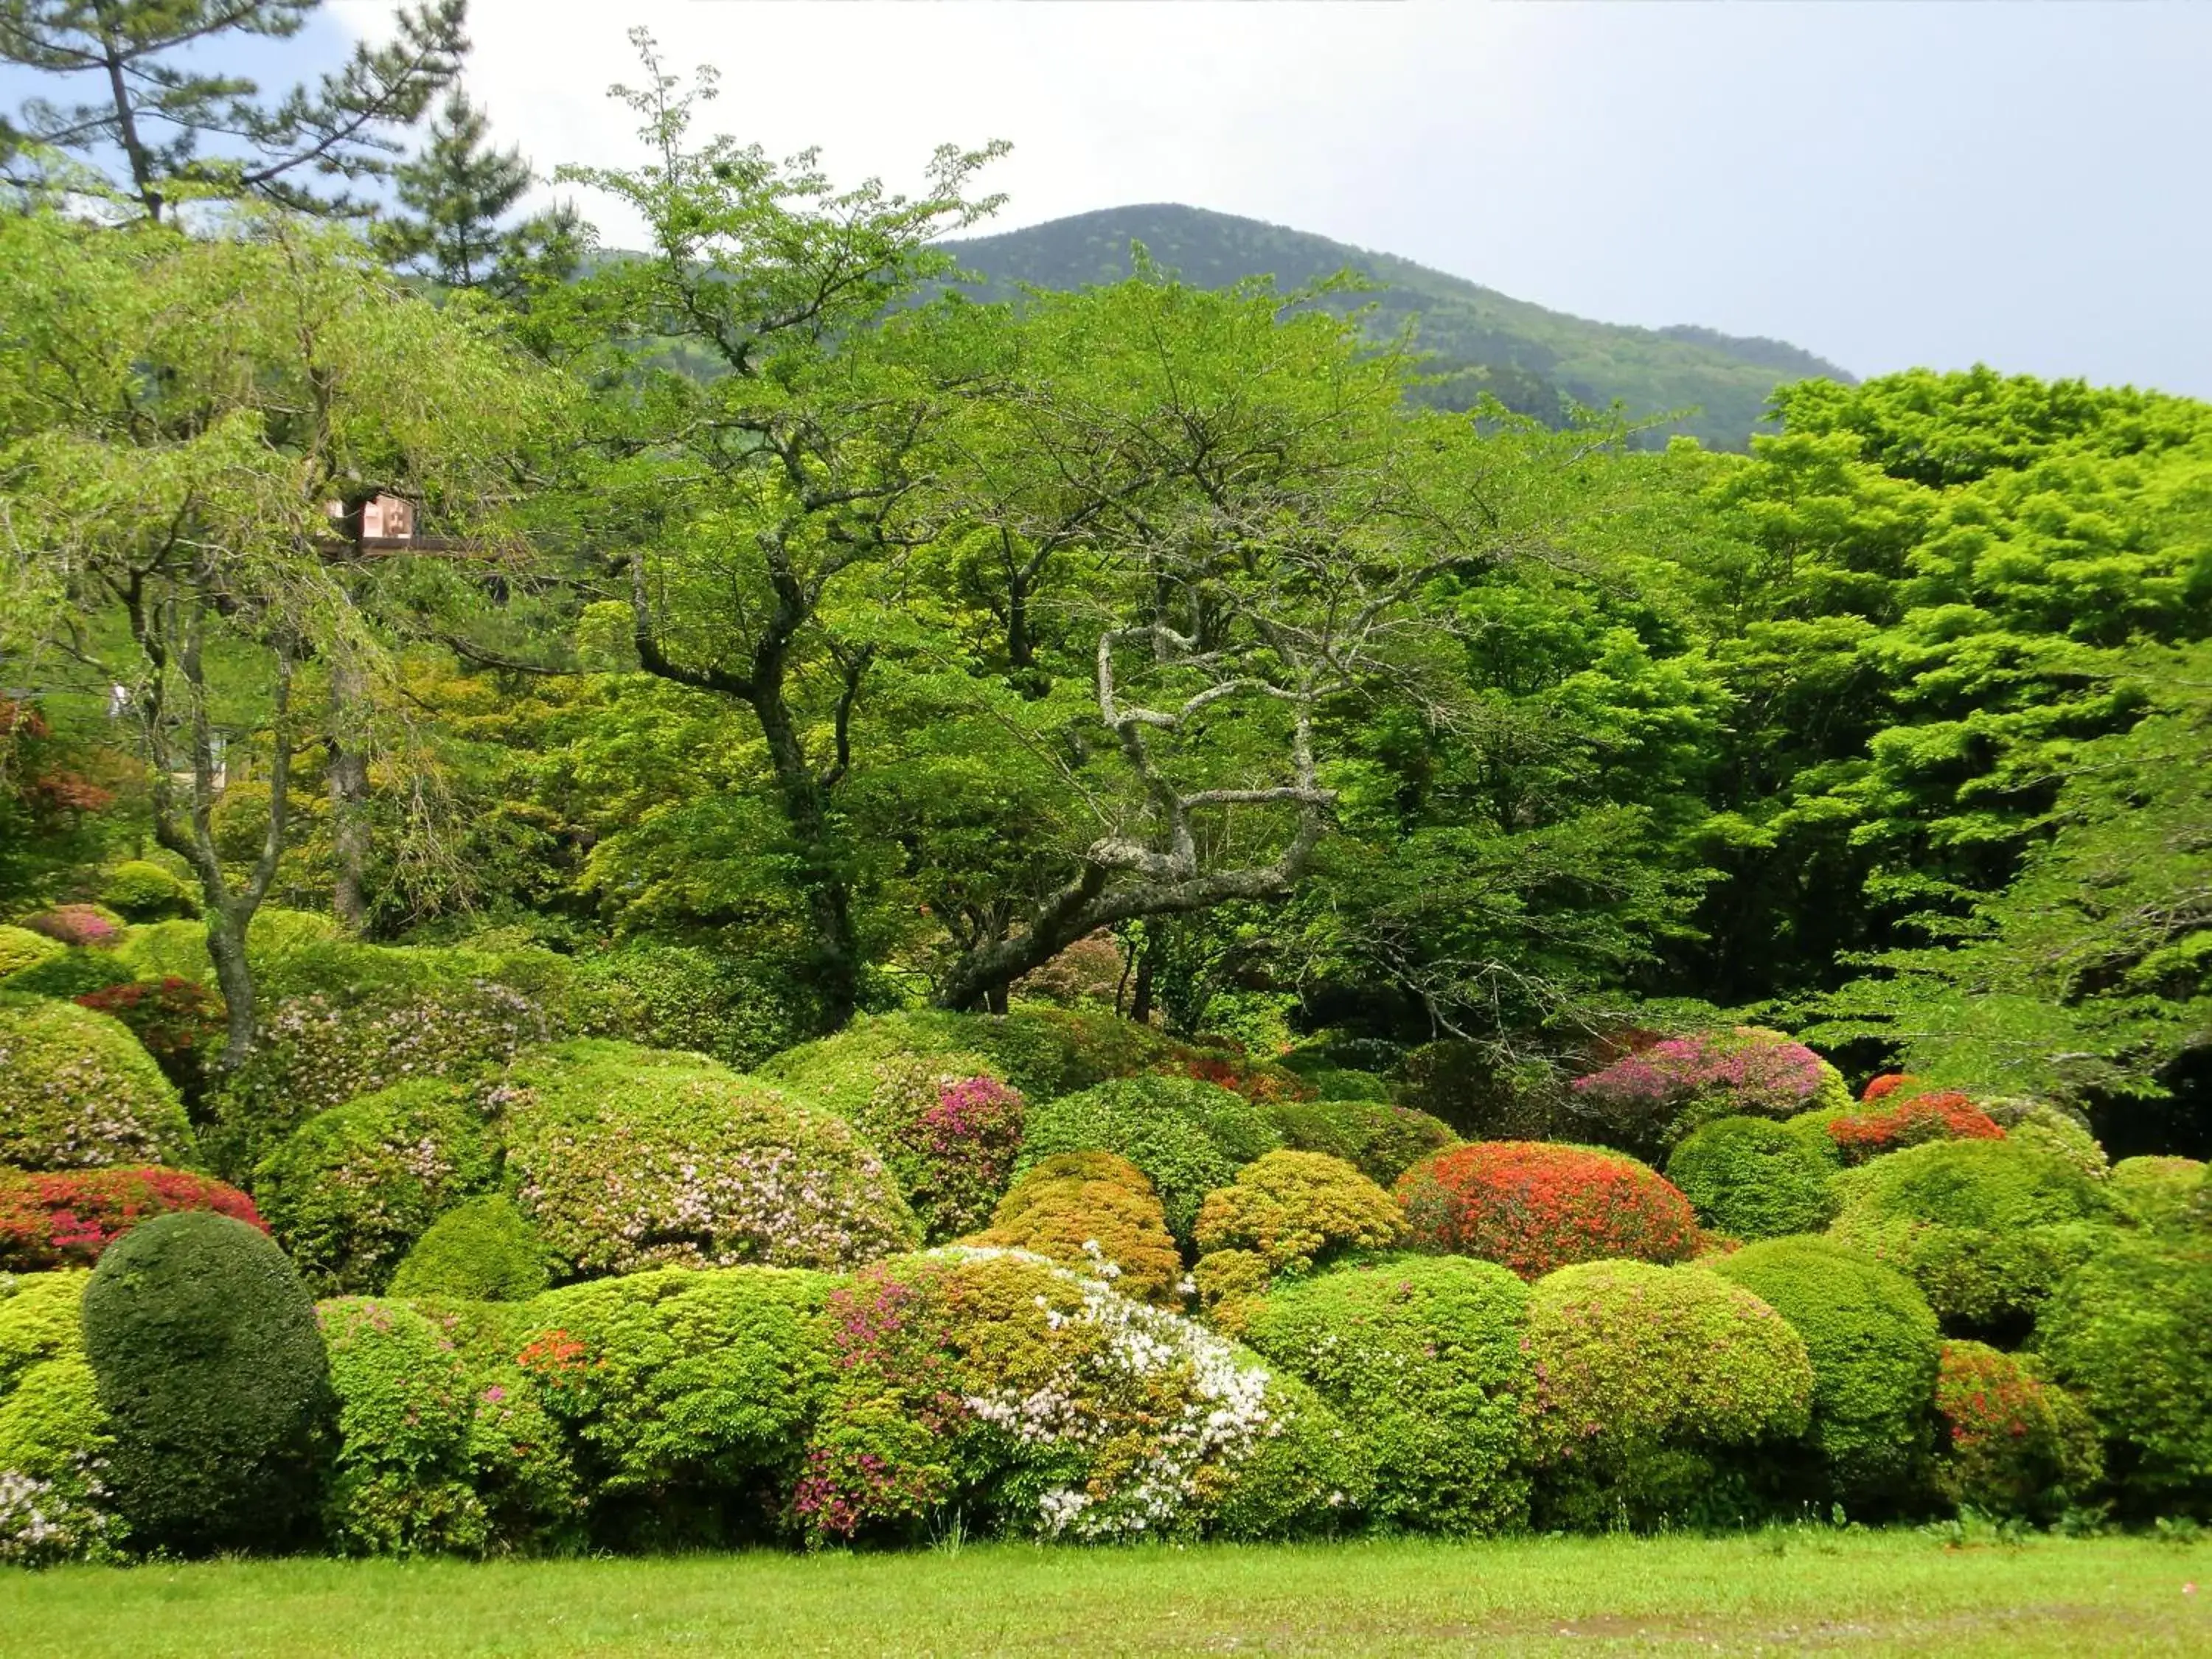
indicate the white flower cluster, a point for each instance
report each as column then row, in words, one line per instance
column 43, row 1521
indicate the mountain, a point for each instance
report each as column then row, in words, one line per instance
column 1482, row 340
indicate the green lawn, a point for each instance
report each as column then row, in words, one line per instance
column 1773, row 1593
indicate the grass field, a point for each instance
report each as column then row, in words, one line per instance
column 1778, row 1592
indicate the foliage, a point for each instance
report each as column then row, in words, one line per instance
column 400, row 1480
column 1483, row 1096
column 1985, row 1228
column 480, row 1250
column 2052, row 1128
column 162, row 950
column 1422, row 1358
column 1873, row 1345
column 20, row 948
column 994, row 1385
column 1095, row 1212
column 178, row 1021
column 2014, row 1443
column 625, row 1158
column 1752, row 1178
column 1380, row 1140
column 1653, row 1387
column 138, row 890
column 212, row 1372
column 1649, row 1098
column 1535, row 1207
column 1942, row 1115
column 1296, row 1211
column 78, row 1091
column 1187, row 1136
column 86, row 925
column 72, row 973
column 66, row 1220
column 2126, row 1335
column 673, row 996
column 53, row 1435
column 351, row 1189
column 2163, row 1194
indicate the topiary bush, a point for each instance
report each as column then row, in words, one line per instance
column 483, row 1250
column 1873, row 1345
column 1189, row 1137
column 1298, row 1209
column 624, row 1158
column 2050, row 1129
column 2161, row 1194
column 683, row 1399
column 211, row 1370
column 401, row 1480
column 1908, row 1120
column 72, row 971
column 1656, row 1391
column 2126, row 1334
column 1752, row 1178
column 20, row 948
column 178, row 1021
column 351, row 1189
column 2012, row 1444
column 1985, row 1228
column 1423, row 1358
column 78, row 1091
column 1380, row 1140
column 139, row 890
column 53, row 1435
column 1536, row 1207
column 1649, row 1098
column 1031, row 1400
column 1095, row 1212
column 66, row 1220
column 77, row 924
column 675, row 996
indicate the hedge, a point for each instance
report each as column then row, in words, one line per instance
column 78, row 1092
column 2012, row 1443
column 625, row 1159
column 72, row 972
column 1874, row 1344
column 67, row 1219
column 1535, row 1207
column 1649, row 1098
column 1657, row 1389
column 483, row 1250
column 1097, row 1214
column 1380, row 1140
column 212, row 1371
column 351, row 1189
column 1752, row 1178
column 1422, row 1358
column 401, row 1484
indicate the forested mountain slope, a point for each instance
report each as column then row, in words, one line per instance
column 1484, row 340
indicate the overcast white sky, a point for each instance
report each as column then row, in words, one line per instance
column 1886, row 184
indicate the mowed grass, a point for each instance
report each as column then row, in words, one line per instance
column 1778, row 1592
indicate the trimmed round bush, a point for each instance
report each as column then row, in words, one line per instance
column 1380, row 1140
column 160, row 949
column 1036, row 1401
column 53, row 1435
column 2012, row 1443
column 2161, row 1194
column 1189, row 1137
column 625, row 1159
column 2050, row 1129
column 1536, row 1207
column 1874, row 1344
column 2127, row 1334
column 1908, row 1119
column 77, row 924
column 401, row 1480
column 140, row 891
column 675, row 996
column 212, row 1369
column 1657, row 1389
column 1752, row 1178
column 1985, row 1228
column 1649, row 1098
column 20, row 948
column 351, row 1189
column 70, row 972
column 1423, row 1358
column 1096, row 1213
column 483, row 1250
column 78, row 1091
column 67, row 1219
column 1297, row 1210
column 1888, row 1084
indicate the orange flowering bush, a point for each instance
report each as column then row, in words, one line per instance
column 2012, row 1443
column 1535, row 1207
column 1913, row 1121
column 1887, row 1084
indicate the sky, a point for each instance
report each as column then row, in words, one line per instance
column 1887, row 185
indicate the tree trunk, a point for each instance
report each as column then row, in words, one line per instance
column 836, row 969
column 227, row 944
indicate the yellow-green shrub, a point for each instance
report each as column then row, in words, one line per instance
column 1096, row 1213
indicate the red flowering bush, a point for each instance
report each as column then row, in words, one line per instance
column 1649, row 1098
column 1535, row 1207
column 77, row 924
column 1913, row 1121
column 2014, row 1443
column 1264, row 1085
column 179, row 1021
column 66, row 1220
column 1887, row 1085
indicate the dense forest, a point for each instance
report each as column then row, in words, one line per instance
column 735, row 816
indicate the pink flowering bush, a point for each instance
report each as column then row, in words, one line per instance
column 1652, row 1096
column 950, row 1138
column 628, row 1158
column 78, row 1092
column 77, row 924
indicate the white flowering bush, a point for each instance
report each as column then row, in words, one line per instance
column 78, row 1092
column 1036, row 1399
column 628, row 1158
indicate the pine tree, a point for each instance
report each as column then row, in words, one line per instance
column 455, row 194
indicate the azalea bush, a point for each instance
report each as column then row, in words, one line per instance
column 73, row 970
column 401, row 1481
column 1535, row 1207
column 626, row 1158
column 78, row 1092
column 1097, row 1214
column 1913, row 1119
column 77, row 924
column 1749, row 1177
column 2012, row 1443
column 67, row 1219
column 1649, row 1098
column 948, row 1129
column 140, row 891
column 482, row 1251
column 2163, row 1194
column 55, row 1504
column 178, row 1021
column 1294, row 1211
column 1380, row 1140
